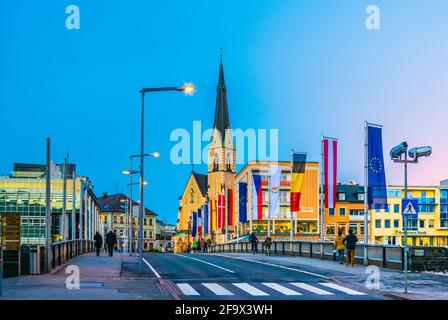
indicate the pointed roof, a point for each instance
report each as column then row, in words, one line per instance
column 202, row 181
column 222, row 121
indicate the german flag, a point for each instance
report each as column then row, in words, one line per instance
column 298, row 172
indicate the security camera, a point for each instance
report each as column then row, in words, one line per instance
column 397, row 151
column 418, row 152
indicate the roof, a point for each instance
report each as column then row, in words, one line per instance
column 221, row 121
column 113, row 203
column 351, row 192
column 202, row 181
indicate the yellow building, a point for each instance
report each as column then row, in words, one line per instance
column 429, row 229
column 114, row 216
column 305, row 222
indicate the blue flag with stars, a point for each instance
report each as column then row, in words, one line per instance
column 376, row 191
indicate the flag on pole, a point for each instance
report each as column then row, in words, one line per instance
column 230, row 207
column 257, row 198
column 194, row 224
column 221, row 211
column 213, row 217
column 274, row 190
column 242, row 201
column 206, row 218
column 376, row 190
column 199, row 222
column 298, row 172
column 330, row 171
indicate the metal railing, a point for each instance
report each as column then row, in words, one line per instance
column 62, row 252
column 384, row 256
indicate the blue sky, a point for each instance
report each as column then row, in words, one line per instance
column 305, row 67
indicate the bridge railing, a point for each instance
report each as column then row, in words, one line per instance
column 62, row 252
column 380, row 255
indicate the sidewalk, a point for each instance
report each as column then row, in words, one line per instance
column 101, row 278
column 421, row 286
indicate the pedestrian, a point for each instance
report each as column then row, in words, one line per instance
column 195, row 245
column 98, row 243
column 339, row 246
column 111, row 241
column 208, row 244
column 254, row 242
column 267, row 244
column 203, row 245
column 350, row 245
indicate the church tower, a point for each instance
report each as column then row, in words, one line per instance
column 221, row 154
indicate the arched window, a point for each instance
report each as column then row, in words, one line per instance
column 228, row 164
column 191, row 196
column 215, row 163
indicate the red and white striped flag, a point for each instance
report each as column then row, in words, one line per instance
column 330, row 171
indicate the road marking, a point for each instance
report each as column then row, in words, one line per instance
column 250, row 289
column 310, row 288
column 151, row 267
column 217, row 289
column 211, row 264
column 281, row 289
column 187, row 289
column 276, row 265
column 342, row 289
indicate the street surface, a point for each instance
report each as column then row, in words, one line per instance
column 226, row 277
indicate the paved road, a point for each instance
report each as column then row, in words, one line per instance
column 204, row 276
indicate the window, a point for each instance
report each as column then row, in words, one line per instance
column 331, row 229
column 331, row 211
column 387, row 224
column 150, row 222
column 431, row 224
column 356, row 212
column 215, row 162
column 145, row 234
column 228, row 167
column 342, row 212
column 285, row 177
column 191, row 196
column 150, row 234
column 341, row 196
column 396, row 223
column 115, row 219
column 377, row 223
column 386, row 208
column 361, row 228
column 121, row 219
column 422, row 223
column 377, row 207
column 396, row 208
column 354, row 228
column 145, row 221
column 361, row 196
column 341, row 228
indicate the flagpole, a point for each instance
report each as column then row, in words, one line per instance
column 366, row 185
column 269, row 200
column 322, row 208
column 291, row 232
column 252, row 203
column 226, row 212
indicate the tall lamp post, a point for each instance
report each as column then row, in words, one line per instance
column 187, row 89
column 396, row 156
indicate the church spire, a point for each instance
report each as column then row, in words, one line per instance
column 222, row 121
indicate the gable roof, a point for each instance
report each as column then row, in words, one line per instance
column 113, row 203
column 351, row 192
column 202, row 181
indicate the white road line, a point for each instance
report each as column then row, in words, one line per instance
column 310, row 288
column 151, row 267
column 250, row 289
column 276, row 265
column 342, row 289
column 281, row 289
column 187, row 289
column 217, row 289
column 210, row 264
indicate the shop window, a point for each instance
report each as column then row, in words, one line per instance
column 331, row 230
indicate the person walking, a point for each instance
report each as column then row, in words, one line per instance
column 350, row 245
column 339, row 246
column 111, row 241
column 203, row 245
column 208, row 244
column 254, row 242
column 267, row 244
column 98, row 243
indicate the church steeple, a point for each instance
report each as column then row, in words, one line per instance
column 222, row 121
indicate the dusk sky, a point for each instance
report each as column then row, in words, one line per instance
column 306, row 68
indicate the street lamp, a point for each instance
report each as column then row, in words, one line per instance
column 396, row 154
column 188, row 89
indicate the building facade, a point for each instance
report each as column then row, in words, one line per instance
column 115, row 216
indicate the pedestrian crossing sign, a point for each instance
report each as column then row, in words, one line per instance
column 410, row 207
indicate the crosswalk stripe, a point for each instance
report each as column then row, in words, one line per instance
column 187, row 289
column 281, row 289
column 310, row 288
column 342, row 289
column 217, row 289
column 250, row 289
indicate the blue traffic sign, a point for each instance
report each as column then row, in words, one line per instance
column 410, row 207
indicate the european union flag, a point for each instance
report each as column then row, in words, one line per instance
column 376, row 191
